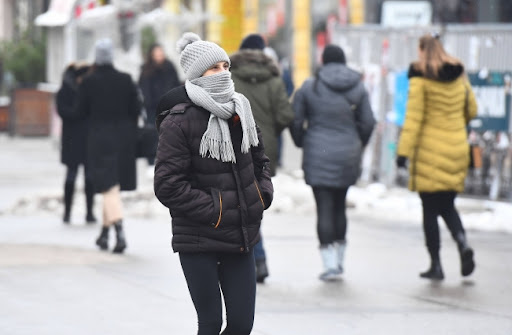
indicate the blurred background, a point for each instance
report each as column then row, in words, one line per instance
column 40, row 38
column 53, row 280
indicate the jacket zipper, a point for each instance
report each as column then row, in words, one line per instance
column 259, row 193
column 220, row 214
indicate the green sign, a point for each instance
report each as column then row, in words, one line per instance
column 493, row 96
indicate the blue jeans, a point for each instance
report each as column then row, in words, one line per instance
column 259, row 251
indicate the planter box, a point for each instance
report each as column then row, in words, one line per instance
column 30, row 112
column 4, row 118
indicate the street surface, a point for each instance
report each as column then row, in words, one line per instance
column 53, row 280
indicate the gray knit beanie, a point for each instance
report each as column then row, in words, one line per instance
column 104, row 53
column 197, row 56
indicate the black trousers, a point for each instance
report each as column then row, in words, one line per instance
column 209, row 273
column 439, row 204
column 331, row 214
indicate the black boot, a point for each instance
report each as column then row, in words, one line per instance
column 102, row 240
column 89, row 198
column 120, row 238
column 467, row 264
column 69, row 190
column 261, row 270
column 435, row 272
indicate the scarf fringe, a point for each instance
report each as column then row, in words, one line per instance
column 219, row 150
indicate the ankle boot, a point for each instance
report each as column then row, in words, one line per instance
column 261, row 270
column 435, row 272
column 69, row 190
column 89, row 198
column 120, row 238
column 467, row 264
column 102, row 240
column 340, row 251
column 330, row 262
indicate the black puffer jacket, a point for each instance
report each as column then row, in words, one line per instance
column 215, row 206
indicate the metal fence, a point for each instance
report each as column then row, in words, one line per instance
column 381, row 52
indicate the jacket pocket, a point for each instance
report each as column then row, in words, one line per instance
column 259, row 194
column 217, row 207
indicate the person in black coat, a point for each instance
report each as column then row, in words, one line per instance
column 74, row 140
column 158, row 76
column 212, row 173
column 110, row 100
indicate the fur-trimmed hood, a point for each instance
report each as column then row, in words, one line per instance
column 253, row 66
column 447, row 73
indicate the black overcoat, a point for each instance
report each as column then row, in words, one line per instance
column 109, row 98
column 74, row 131
column 215, row 206
column 154, row 83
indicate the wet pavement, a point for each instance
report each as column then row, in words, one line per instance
column 53, row 280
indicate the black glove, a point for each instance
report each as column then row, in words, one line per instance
column 401, row 162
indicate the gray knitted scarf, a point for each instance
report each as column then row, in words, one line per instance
column 216, row 94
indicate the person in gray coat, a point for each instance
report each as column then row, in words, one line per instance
column 333, row 123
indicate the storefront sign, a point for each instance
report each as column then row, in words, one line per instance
column 406, row 13
column 493, row 96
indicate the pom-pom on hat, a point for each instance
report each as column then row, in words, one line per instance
column 197, row 56
column 333, row 54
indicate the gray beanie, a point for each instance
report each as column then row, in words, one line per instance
column 104, row 53
column 197, row 56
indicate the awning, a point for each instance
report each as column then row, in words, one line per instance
column 59, row 14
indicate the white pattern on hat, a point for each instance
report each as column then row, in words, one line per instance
column 197, row 56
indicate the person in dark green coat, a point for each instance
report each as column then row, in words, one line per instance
column 258, row 78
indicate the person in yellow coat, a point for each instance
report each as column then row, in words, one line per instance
column 434, row 141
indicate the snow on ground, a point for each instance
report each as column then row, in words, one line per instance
column 379, row 202
column 292, row 195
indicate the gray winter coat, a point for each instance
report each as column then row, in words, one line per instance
column 333, row 123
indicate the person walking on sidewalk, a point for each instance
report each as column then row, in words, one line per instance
column 74, row 140
column 434, row 140
column 335, row 107
column 157, row 77
column 110, row 100
column 257, row 77
column 213, row 175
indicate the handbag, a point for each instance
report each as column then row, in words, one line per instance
column 147, row 142
column 475, row 152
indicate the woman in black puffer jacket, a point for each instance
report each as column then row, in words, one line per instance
column 212, row 173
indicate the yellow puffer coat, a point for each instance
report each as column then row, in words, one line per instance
column 434, row 136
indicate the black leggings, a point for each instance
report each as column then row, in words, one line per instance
column 72, row 173
column 331, row 216
column 209, row 273
column 435, row 204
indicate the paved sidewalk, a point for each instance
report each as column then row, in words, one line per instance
column 54, row 281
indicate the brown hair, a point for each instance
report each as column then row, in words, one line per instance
column 434, row 56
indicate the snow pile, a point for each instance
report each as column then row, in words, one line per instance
column 291, row 195
column 376, row 201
